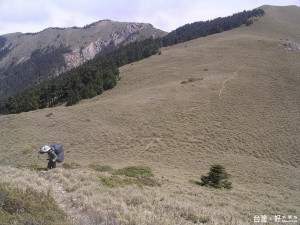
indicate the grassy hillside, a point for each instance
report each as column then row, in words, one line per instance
column 77, row 84
column 229, row 98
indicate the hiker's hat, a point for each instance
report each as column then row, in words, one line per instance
column 46, row 148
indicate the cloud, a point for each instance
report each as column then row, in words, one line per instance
column 168, row 15
column 36, row 15
column 18, row 15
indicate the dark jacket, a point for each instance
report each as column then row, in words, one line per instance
column 52, row 155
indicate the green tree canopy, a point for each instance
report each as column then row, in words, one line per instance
column 216, row 178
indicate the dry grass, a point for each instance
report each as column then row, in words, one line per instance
column 83, row 196
column 179, row 130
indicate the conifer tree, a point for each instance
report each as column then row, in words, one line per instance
column 216, row 178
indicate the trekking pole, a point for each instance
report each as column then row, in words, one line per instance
column 39, row 152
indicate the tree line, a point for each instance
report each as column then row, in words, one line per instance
column 202, row 29
column 101, row 73
column 85, row 81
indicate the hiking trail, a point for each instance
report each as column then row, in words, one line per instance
column 223, row 86
column 65, row 200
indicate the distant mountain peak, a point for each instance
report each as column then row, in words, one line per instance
column 74, row 45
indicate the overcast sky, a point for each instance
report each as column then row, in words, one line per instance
column 36, row 15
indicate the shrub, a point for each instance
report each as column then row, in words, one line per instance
column 135, row 171
column 136, row 175
column 116, row 181
column 29, row 207
column 216, row 178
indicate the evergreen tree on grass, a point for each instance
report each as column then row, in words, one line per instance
column 216, row 178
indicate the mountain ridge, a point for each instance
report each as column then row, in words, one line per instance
column 82, row 44
column 132, row 52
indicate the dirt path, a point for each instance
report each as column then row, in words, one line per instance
column 144, row 150
column 66, row 200
column 224, row 82
column 223, row 86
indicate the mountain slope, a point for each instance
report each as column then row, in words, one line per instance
column 229, row 98
column 80, row 83
column 61, row 49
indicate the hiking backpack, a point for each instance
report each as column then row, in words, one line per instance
column 59, row 151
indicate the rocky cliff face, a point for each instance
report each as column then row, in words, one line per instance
column 123, row 35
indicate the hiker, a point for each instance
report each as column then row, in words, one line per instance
column 55, row 154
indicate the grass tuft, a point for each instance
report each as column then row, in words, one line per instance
column 116, row 181
column 29, row 207
column 135, row 171
column 191, row 181
column 191, row 80
column 189, row 216
column 71, row 165
column 204, row 219
column 33, row 166
column 148, row 181
column 100, row 168
column 26, row 150
column 136, row 175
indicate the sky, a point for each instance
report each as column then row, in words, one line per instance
column 36, row 15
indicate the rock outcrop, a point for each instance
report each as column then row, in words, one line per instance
column 124, row 35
